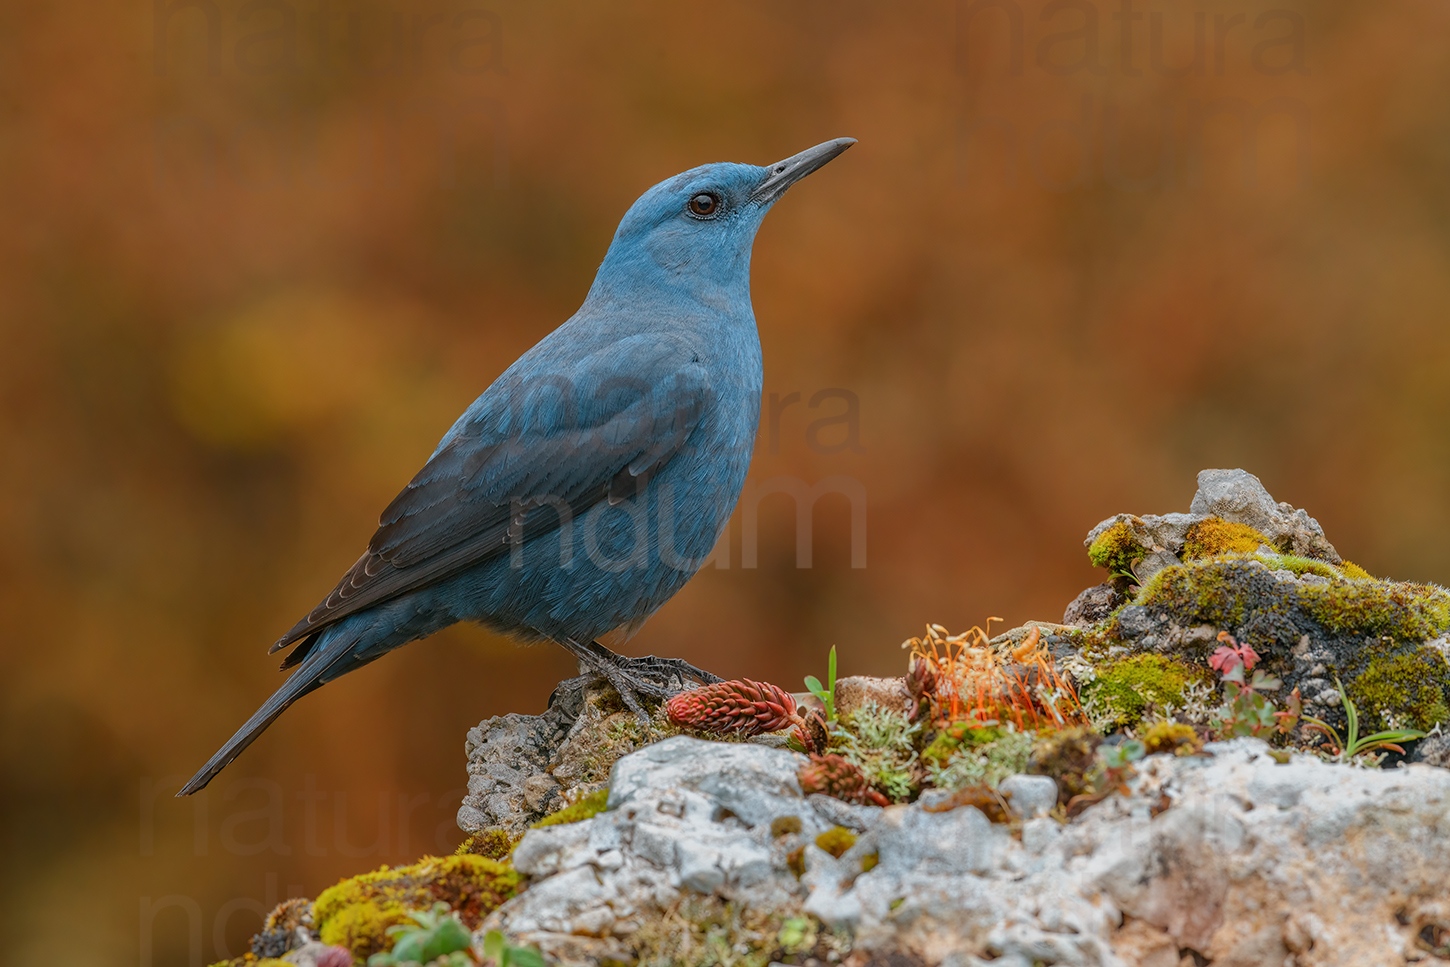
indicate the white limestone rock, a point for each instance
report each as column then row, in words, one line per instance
column 1251, row 862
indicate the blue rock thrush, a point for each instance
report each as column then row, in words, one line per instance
column 593, row 478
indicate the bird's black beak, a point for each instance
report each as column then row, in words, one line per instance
column 785, row 173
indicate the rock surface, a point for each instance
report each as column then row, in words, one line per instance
column 708, row 852
column 1314, row 619
column 505, row 754
column 1236, row 496
column 522, row 767
column 1230, row 855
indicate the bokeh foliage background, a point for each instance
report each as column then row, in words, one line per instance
column 256, row 257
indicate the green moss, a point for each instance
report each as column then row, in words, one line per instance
column 1203, row 593
column 1354, row 572
column 1213, row 536
column 1116, row 549
column 869, row 862
column 940, row 749
column 1125, row 689
column 363, row 927
column 1224, row 592
column 1067, row 755
column 784, row 826
column 586, row 808
column 1381, row 609
column 1174, row 737
column 1300, row 565
column 357, row 912
column 496, row 844
column 970, row 734
column 836, row 841
column 1344, row 571
column 983, row 765
column 797, row 935
column 1407, row 689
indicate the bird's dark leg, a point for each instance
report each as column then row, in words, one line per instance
column 638, row 680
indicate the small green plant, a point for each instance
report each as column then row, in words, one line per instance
column 1246, row 709
column 1112, row 768
column 431, row 935
column 504, row 954
column 882, row 744
column 827, row 695
column 1115, row 765
column 1351, row 745
column 797, row 935
column 986, row 764
column 1135, row 583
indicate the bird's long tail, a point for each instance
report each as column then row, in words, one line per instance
column 327, row 660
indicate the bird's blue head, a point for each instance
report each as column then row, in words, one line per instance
column 694, row 231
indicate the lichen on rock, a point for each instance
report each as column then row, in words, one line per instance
column 1264, row 573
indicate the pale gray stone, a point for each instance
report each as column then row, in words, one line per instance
column 956, row 841
column 1244, row 845
column 1433, row 750
column 1234, row 495
column 1153, row 563
column 834, row 812
column 754, row 783
column 1239, row 496
column 1029, row 796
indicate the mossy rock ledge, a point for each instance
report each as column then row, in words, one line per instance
column 597, row 840
column 1242, row 563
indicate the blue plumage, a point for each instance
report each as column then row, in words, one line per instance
column 593, row 478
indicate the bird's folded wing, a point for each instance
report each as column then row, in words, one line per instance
column 506, row 474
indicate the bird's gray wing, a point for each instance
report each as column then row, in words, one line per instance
column 502, row 474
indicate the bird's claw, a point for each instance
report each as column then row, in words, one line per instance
column 639, row 681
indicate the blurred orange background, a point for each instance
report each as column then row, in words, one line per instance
column 257, row 256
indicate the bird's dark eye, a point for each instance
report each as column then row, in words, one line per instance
column 704, row 204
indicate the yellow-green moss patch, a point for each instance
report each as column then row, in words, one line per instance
column 1125, row 689
column 1300, row 565
column 1205, row 593
column 785, row 826
column 496, row 844
column 1213, row 536
column 1354, row 572
column 836, row 841
column 1403, row 611
column 1116, row 549
column 586, row 808
column 357, row 912
column 1404, row 690
column 1174, row 737
column 969, row 734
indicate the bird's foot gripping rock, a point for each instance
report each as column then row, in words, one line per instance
column 639, row 681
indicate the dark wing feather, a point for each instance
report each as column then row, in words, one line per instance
column 481, row 492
